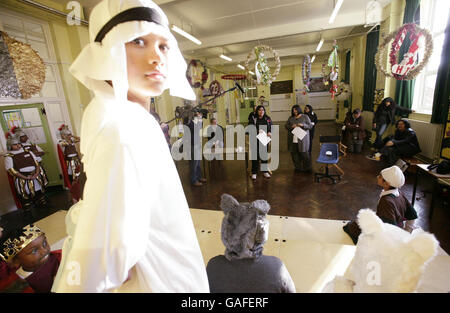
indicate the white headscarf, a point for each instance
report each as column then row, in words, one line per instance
column 394, row 176
column 98, row 62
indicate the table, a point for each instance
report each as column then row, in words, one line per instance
column 437, row 179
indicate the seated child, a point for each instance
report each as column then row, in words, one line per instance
column 28, row 251
column 393, row 207
column 9, row 281
column 243, row 268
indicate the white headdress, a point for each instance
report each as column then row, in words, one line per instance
column 394, row 176
column 112, row 24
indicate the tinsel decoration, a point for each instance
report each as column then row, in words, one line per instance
column 306, row 72
column 397, row 37
column 262, row 69
column 22, row 70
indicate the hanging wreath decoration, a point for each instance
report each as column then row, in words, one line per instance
column 408, row 68
column 325, row 76
column 306, row 72
column 234, row 77
column 262, row 70
column 215, row 89
column 192, row 74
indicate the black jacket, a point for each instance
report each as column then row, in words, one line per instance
column 406, row 142
column 386, row 115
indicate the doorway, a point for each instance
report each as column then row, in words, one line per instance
column 32, row 119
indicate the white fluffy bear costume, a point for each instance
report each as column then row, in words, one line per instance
column 387, row 258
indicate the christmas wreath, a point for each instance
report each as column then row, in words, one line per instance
column 408, row 68
column 196, row 80
column 262, row 70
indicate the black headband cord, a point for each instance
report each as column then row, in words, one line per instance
column 133, row 14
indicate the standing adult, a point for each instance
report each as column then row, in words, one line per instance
column 132, row 231
column 354, row 131
column 299, row 148
column 385, row 116
column 263, row 123
column 196, row 127
column 313, row 118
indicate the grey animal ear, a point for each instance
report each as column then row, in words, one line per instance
column 228, row 203
column 262, row 206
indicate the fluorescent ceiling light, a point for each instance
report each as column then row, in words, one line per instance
column 226, row 58
column 251, row 88
column 335, row 11
column 187, row 35
column 313, row 58
column 241, row 67
column 251, row 73
column 319, row 45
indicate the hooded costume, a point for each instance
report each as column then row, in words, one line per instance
column 132, row 231
column 243, row 268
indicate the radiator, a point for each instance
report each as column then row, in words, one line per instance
column 429, row 136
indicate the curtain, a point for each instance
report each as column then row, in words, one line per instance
column 404, row 90
column 347, row 74
column 442, row 87
column 370, row 71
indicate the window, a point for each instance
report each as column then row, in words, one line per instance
column 433, row 16
column 250, row 88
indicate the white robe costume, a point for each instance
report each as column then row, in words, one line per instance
column 132, row 232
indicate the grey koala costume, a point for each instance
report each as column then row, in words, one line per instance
column 244, row 268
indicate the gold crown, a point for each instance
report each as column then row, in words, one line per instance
column 12, row 246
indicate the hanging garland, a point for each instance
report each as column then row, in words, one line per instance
column 333, row 63
column 262, row 70
column 215, row 89
column 191, row 74
column 407, row 69
column 306, row 72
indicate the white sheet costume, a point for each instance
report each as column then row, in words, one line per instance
column 132, row 232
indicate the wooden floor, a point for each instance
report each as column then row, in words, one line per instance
column 290, row 193
column 296, row 194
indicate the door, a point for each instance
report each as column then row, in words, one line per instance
column 33, row 121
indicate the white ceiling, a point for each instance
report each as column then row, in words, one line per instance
column 234, row 27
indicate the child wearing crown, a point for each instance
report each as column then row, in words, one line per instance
column 28, row 251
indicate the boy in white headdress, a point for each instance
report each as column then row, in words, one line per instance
column 132, row 231
column 392, row 207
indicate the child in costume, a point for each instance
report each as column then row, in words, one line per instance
column 24, row 168
column 28, row 251
column 244, row 268
column 393, row 207
column 132, row 231
column 71, row 157
column 27, row 145
column 10, row 282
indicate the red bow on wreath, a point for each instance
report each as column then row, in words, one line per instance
column 333, row 91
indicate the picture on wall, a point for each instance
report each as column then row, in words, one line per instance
column 317, row 85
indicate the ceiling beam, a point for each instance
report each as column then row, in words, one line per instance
column 306, row 26
column 284, row 52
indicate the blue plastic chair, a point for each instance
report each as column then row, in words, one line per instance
column 332, row 159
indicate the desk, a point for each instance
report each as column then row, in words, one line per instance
column 437, row 179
